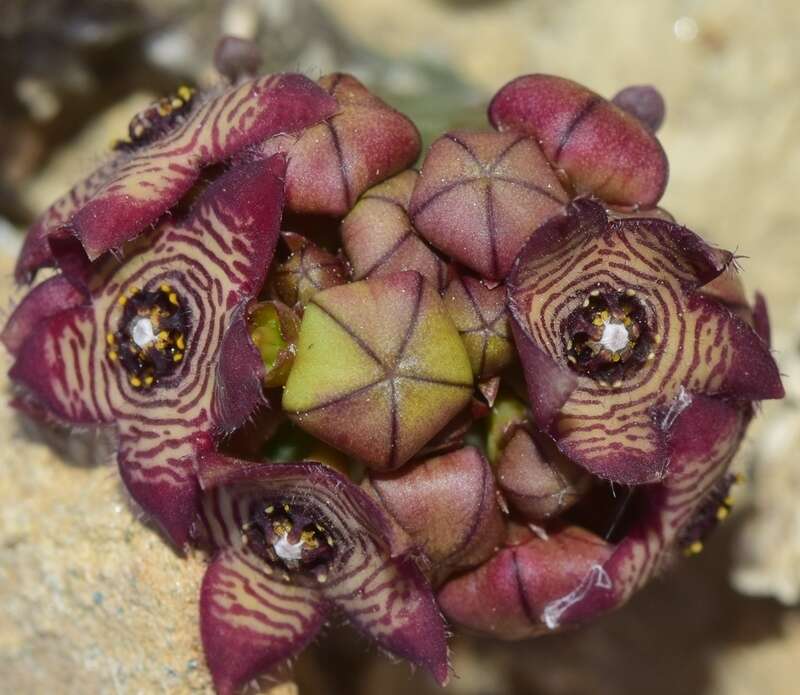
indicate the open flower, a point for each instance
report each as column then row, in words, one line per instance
column 169, row 145
column 159, row 347
column 615, row 338
column 291, row 543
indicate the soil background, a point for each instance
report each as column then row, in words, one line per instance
column 91, row 598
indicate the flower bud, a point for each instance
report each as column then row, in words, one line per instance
column 479, row 313
column 379, row 239
column 380, row 369
column 307, row 270
column 604, row 150
column 333, row 163
column 447, row 505
column 480, row 196
column 538, row 481
column 644, row 102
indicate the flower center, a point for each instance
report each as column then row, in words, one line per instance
column 158, row 118
column 608, row 337
column 290, row 542
column 150, row 340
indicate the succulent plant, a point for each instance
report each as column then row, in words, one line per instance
column 505, row 389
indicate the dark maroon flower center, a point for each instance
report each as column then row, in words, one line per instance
column 158, row 118
column 608, row 337
column 290, row 540
column 150, row 341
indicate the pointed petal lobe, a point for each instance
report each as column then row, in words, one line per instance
column 251, row 622
column 157, row 175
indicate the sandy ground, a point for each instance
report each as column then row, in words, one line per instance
column 94, row 601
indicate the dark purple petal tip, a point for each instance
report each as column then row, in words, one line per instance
column 51, row 297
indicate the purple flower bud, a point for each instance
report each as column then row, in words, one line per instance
column 379, row 238
column 604, row 150
column 307, row 270
column 479, row 313
column 332, row 164
column 447, row 505
column 643, row 101
column 538, row 481
column 480, row 196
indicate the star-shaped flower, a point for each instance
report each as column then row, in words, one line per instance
column 616, row 335
column 159, row 347
column 291, row 543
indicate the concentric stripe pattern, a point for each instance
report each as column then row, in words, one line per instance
column 207, row 265
column 689, row 337
column 213, row 131
column 363, row 579
column 267, row 613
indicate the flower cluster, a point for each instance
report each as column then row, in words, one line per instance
column 503, row 390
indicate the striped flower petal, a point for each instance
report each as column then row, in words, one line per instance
column 293, row 541
column 140, row 182
column 157, row 351
column 252, row 622
column 614, row 335
column 36, row 252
